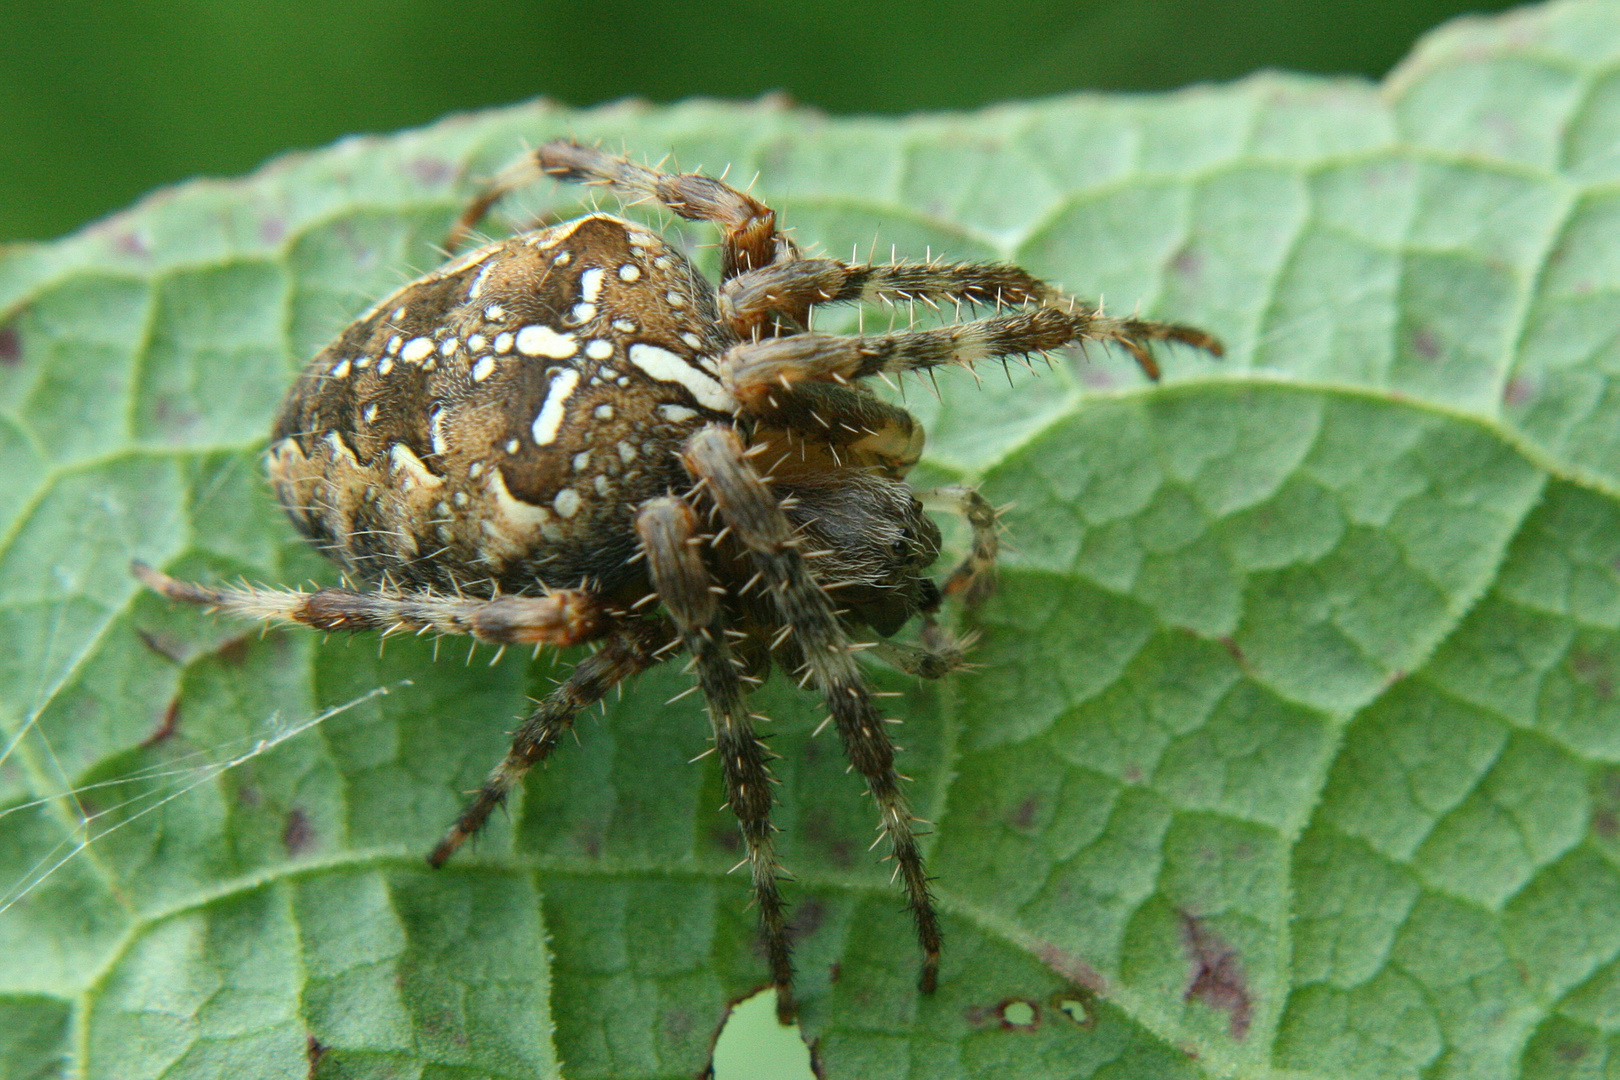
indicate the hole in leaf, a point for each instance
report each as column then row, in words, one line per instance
column 1020, row 1015
column 753, row 1046
column 1075, row 1009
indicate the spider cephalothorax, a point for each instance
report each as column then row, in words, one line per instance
column 570, row 436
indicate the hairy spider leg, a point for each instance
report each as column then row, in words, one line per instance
column 632, row 647
column 829, row 281
column 749, row 236
column 748, row 370
column 562, row 617
column 715, row 457
column 670, row 539
column 748, row 299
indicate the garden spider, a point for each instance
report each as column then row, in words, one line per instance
column 570, row 436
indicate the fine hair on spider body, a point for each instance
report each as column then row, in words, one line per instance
column 571, row 436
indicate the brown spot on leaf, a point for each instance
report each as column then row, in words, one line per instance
column 431, row 170
column 235, row 650
column 1605, row 824
column 131, row 243
column 1570, row 1051
column 1595, row 670
column 172, row 413
column 839, row 848
column 314, row 1050
column 1611, row 785
column 166, row 727
column 10, row 345
column 726, row 837
column 1071, row 967
column 299, row 834
column 169, row 648
column 1426, row 343
column 1095, row 376
column 1187, row 263
column 1233, row 648
column 1217, row 974
column 678, row 1024
column 1517, row 391
column 980, row 1016
column 1022, row 816
column 808, row 915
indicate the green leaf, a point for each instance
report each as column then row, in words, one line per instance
column 1293, row 747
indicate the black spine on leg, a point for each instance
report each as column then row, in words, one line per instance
column 669, row 536
column 715, row 456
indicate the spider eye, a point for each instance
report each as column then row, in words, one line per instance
column 902, row 547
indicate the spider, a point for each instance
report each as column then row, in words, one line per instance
column 571, row 436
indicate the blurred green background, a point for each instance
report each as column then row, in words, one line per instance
column 101, row 100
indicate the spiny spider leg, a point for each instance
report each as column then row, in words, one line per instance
column 750, row 238
column 974, row 579
column 748, row 299
column 562, row 617
column 669, row 536
column 749, row 369
column 715, row 456
column 631, row 648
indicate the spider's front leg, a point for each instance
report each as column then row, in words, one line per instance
column 669, row 537
column 751, row 370
column 746, row 301
column 715, row 456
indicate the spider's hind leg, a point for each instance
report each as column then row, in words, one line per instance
column 668, row 529
column 749, row 237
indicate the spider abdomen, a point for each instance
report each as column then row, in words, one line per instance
column 494, row 424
